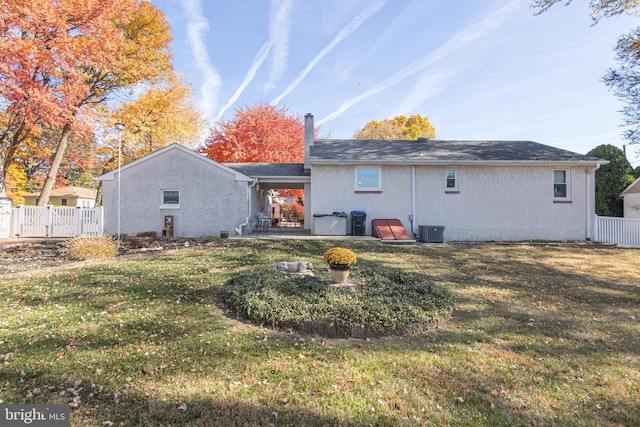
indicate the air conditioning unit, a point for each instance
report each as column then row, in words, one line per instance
column 431, row 233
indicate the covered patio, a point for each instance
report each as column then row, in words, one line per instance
column 276, row 185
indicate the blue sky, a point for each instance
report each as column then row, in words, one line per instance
column 478, row 69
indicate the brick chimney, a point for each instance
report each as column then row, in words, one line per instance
column 308, row 138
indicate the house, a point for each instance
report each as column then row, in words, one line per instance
column 475, row 190
column 631, row 200
column 65, row 196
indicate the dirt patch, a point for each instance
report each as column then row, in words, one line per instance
column 18, row 255
column 36, row 254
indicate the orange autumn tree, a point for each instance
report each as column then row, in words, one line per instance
column 46, row 50
column 259, row 134
column 62, row 59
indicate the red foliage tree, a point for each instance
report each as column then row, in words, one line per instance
column 259, row 134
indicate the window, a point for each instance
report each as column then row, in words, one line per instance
column 64, row 202
column 452, row 180
column 560, row 184
column 368, row 179
column 170, row 199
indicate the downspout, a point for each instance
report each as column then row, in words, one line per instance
column 412, row 217
column 597, row 166
column 246, row 222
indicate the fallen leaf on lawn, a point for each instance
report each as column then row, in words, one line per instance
column 283, row 400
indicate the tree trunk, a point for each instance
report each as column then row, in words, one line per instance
column 5, row 144
column 98, row 200
column 55, row 166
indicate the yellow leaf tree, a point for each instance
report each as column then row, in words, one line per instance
column 400, row 127
column 163, row 115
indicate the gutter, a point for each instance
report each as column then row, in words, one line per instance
column 238, row 230
column 412, row 215
column 413, row 162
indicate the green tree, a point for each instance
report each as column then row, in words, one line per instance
column 611, row 179
column 400, row 127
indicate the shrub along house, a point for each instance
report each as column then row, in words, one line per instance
column 476, row 190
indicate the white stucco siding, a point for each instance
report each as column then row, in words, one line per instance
column 631, row 205
column 502, row 203
column 333, row 190
column 211, row 199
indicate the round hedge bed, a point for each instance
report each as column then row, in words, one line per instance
column 380, row 301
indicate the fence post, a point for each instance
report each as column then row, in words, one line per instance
column 19, row 223
column 100, row 220
column 79, row 221
column 5, row 217
column 48, row 232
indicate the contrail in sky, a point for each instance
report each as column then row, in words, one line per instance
column 461, row 40
column 196, row 28
column 278, row 43
column 279, row 36
column 251, row 73
column 343, row 34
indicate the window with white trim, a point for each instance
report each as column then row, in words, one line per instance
column 368, row 179
column 452, row 180
column 170, row 199
column 561, row 184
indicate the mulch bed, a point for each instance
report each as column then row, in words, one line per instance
column 19, row 256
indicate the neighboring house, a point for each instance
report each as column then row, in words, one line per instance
column 631, row 200
column 65, row 196
column 477, row 190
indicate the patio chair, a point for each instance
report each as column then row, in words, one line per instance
column 264, row 221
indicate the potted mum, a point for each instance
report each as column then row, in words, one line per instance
column 340, row 261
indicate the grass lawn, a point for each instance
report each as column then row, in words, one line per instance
column 540, row 335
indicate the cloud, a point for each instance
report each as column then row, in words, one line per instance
column 279, row 29
column 342, row 34
column 197, row 27
column 465, row 38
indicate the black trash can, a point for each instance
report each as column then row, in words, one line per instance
column 358, row 223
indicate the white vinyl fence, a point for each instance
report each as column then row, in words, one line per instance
column 621, row 231
column 5, row 217
column 56, row 221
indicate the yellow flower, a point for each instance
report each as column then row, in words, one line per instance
column 339, row 257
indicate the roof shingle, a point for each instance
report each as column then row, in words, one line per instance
column 440, row 150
